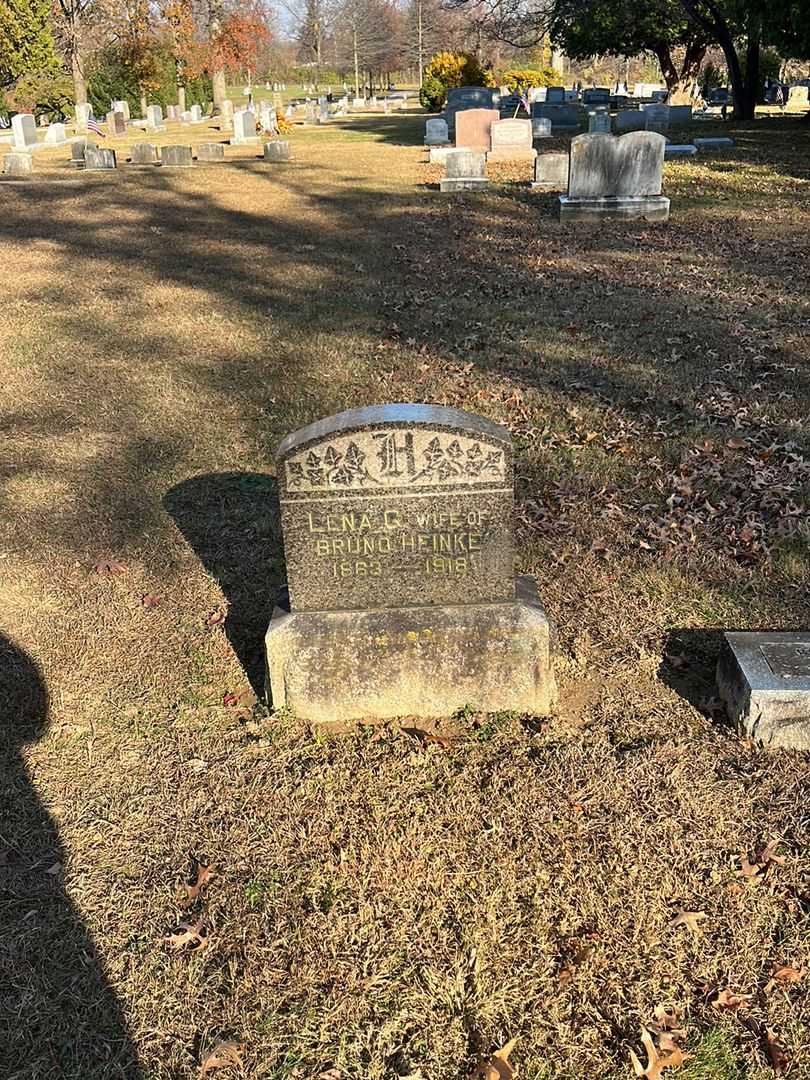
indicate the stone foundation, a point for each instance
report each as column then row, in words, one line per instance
column 645, row 207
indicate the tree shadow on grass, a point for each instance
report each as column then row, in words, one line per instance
column 232, row 522
column 58, row 1014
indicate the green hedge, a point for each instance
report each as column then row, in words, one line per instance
column 109, row 80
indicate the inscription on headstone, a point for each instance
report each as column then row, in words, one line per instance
column 381, row 511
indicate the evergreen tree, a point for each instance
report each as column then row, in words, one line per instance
column 26, row 39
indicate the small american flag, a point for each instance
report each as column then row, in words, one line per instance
column 94, row 126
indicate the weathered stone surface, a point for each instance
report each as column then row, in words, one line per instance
column 616, row 177
column 396, row 505
column 83, row 113
column 551, row 172
column 555, row 95
column 196, row 114
column 764, row 680
column 511, row 140
column 210, row 151
column 679, row 115
column 428, row 660
column 18, row 164
column 598, row 95
column 143, row 153
column 625, row 167
column 56, row 135
column 278, row 150
column 154, row 118
column 176, row 157
column 24, row 130
column 563, row 117
column 465, row 171
column 473, row 128
column 680, row 150
column 436, row 132
column 398, row 537
column 437, row 155
column 98, row 158
column 122, row 107
column 798, row 98
column 656, row 118
column 77, row 150
column 599, row 121
column 116, row 124
column 244, row 128
column 718, row 143
column 541, row 127
column 630, row 120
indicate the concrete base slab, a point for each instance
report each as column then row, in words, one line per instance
column 714, row 143
column 647, row 208
column 459, row 183
column 338, row 666
column 764, row 680
column 680, row 150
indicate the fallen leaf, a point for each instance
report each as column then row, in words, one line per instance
column 202, row 875
column 655, row 1062
column 768, row 854
column 109, row 567
column 223, row 1055
column 782, row 973
column 496, row 1067
column 758, row 869
column 736, row 443
column 150, row 600
column 776, row 1053
column 54, row 870
column 690, row 919
column 216, row 618
column 230, row 699
column 194, row 934
column 726, row 1000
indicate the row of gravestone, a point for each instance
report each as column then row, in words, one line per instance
column 402, row 598
column 87, row 155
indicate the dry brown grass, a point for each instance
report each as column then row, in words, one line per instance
column 381, row 906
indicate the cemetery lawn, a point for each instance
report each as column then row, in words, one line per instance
column 384, row 904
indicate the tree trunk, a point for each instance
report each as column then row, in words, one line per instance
column 752, row 56
column 143, row 103
column 219, row 88
column 181, row 97
column 679, row 83
column 79, row 82
column 356, row 65
column 718, row 29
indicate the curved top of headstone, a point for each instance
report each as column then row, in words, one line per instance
column 393, row 415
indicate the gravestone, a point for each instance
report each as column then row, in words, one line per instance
column 83, row 113
column 154, row 118
column 358, row 103
column 210, row 151
column 436, row 133
column 311, row 116
column 616, row 178
column 398, row 538
column 680, row 150
column 143, row 153
column 18, row 164
column 56, row 135
column 598, row 95
column 551, row 172
column 116, row 124
column 798, row 97
column 173, row 113
column 463, row 98
column 630, row 120
column 656, row 118
column 226, row 110
column 196, row 114
column 541, row 127
column 323, row 111
column 244, row 128
column 437, row 155
column 177, row 157
column 599, row 121
column 99, row 158
column 719, row 142
column 511, row 140
column 278, row 150
column 122, row 107
column 555, row 95
column 465, row 170
column 24, row 129
column 473, row 128
column 680, row 115
column 77, row 150
column 764, row 680
column 563, row 117
column 185, row 116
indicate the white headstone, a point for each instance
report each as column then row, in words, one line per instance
column 154, row 118
column 196, row 114
column 24, row 128
column 244, row 127
column 511, row 140
column 616, row 177
column 55, row 135
column 122, row 106
column 83, row 114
